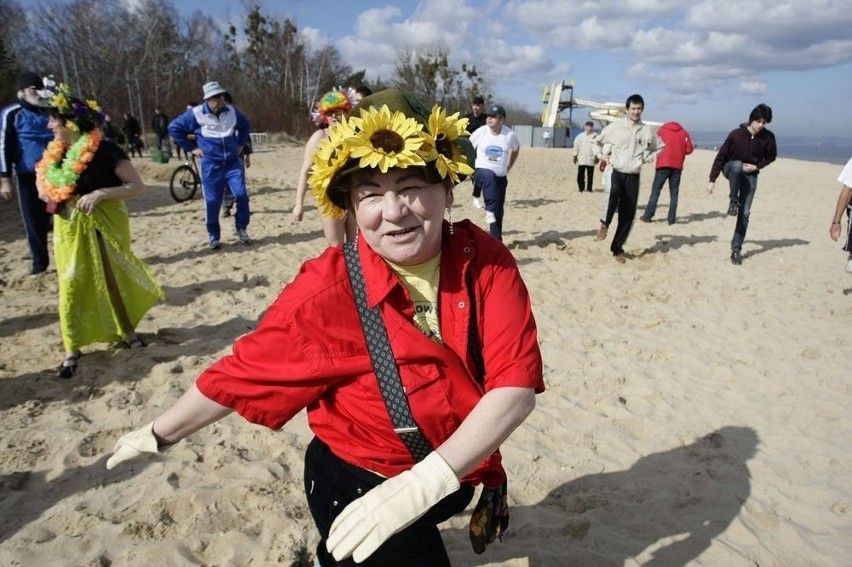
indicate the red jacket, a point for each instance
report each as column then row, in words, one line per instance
column 309, row 352
column 678, row 145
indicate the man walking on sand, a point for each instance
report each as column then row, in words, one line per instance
column 221, row 134
column 584, row 157
column 497, row 148
column 745, row 151
column 626, row 144
column 476, row 119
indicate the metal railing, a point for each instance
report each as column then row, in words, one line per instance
column 259, row 140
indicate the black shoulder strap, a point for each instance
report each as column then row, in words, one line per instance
column 384, row 364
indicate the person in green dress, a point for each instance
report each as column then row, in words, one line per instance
column 104, row 290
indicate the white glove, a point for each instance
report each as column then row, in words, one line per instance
column 389, row 508
column 133, row 444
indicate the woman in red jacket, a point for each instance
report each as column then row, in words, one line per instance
column 669, row 167
column 459, row 328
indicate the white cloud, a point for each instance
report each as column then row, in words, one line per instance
column 711, row 43
column 381, row 35
column 752, row 87
column 682, row 51
column 314, row 38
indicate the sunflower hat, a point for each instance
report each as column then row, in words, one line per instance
column 79, row 115
column 389, row 129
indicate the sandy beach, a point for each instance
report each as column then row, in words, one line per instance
column 697, row 413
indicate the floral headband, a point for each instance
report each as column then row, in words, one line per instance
column 394, row 129
column 79, row 115
column 338, row 100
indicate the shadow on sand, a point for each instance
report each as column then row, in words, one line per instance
column 663, row 511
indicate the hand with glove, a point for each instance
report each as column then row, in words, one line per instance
column 389, row 508
column 575, row 160
column 133, row 444
column 190, row 413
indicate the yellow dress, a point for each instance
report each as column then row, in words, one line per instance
column 86, row 312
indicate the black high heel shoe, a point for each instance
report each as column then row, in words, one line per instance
column 69, row 366
column 137, row 342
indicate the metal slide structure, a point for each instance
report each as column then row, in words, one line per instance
column 603, row 112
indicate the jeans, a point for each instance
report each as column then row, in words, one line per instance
column 494, row 191
column 743, row 188
column 673, row 175
column 738, row 179
column 331, row 484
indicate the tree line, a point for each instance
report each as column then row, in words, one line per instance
column 135, row 59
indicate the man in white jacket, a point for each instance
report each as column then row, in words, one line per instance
column 626, row 144
column 584, row 157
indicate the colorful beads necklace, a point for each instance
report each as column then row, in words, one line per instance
column 59, row 181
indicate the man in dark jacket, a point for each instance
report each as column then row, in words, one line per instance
column 133, row 134
column 23, row 137
column 160, row 125
column 745, row 152
column 476, row 119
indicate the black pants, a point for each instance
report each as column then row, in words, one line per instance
column 623, row 197
column 331, row 484
column 585, row 174
column 37, row 221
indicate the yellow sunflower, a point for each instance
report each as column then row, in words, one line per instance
column 59, row 102
column 386, row 140
column 444, row 132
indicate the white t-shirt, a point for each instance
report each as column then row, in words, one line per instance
column 493, row 151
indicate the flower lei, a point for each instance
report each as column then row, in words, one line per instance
column 384, row 140
column 59, row 181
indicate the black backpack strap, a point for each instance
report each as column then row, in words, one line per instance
column 474, row 349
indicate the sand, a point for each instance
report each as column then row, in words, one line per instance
column 696, row 413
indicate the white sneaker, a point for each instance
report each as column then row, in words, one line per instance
column 849, row 265
column 477, row 203
column 490, row 218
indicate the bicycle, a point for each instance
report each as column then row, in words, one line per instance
column 185, row 181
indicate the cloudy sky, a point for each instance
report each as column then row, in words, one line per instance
column 705, row 63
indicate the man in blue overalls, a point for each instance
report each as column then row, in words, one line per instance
column 221, row 132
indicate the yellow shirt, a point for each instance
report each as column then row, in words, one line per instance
column 422, row 282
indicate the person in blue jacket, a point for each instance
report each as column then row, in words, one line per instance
column 23, row 137
column 221, row 133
